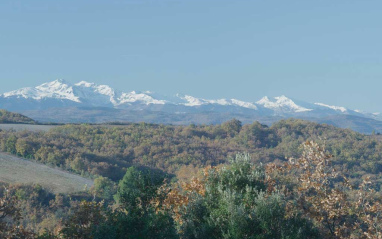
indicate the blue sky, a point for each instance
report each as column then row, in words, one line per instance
column 316, row 51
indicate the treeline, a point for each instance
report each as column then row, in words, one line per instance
column 109, row 150
column 7, row 117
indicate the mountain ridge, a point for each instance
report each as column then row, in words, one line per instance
column 63, row 102
column 91, row 94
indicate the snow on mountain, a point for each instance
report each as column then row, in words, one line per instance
column 91, row 94
column 115, row 97
column 281, row 103
column 58, row 89
column 244, row 104
column 83, row 92
column 102, row 89
column 337, row 108
column 96, row 93
column 26, row 93
column 144, row 98
column 193, row 101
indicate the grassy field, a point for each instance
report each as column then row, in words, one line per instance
column 30, row 127
column 16, row 170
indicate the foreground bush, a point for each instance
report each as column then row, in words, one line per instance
column 232, row 202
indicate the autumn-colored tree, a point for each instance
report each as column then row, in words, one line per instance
column 84, row 223
column 9, row 216
column 326, row 197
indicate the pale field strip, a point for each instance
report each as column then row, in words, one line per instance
column 30, row 127
column 17, row 170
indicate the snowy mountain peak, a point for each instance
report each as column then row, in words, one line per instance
column 63, row 94
column 192, row 101
column 85, row 84
column 281, row 103
column 98, row 94
column 136, row 97
column 282, row 98
column 54, row 85
column 263, row 100
column 57, row 82
column 58, row 89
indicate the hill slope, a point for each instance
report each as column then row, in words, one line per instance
column 17, row 170
column 109, row 150
column 7, row 117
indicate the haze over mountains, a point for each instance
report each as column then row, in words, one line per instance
column 61, row 101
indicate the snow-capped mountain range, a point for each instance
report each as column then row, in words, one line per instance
column 90, row 94
column 61, row 101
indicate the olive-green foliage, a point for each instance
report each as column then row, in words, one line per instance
column 83, row 223
column 136, row 217
column 109, row 150
column 14, row 118
column 235, row 206
column 104, row 188
column 121, row 225
column 138, row 187
column 40, row 210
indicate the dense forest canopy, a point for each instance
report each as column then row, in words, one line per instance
column 108, row 150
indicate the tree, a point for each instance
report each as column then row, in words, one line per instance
column 324, row 195
column 104, row 188
column 232, row 127
column 135, row 216
column 9, row 216
column 232, row 202
column 138, row 187
column 84, row 223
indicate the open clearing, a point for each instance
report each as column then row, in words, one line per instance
column 30, row 127
column 17, row 170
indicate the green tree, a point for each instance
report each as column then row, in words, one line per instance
column 136, row 217
column 235, row 204
column 232, row 127
column 11, row 144
column 138, row 187
column 104, row 188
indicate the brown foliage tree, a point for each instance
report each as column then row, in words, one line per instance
column 9, row 215
column 326, row 197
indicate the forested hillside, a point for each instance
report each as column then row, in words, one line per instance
column 109, row 150
column 14, row 118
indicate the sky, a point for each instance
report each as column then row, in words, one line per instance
column 315, row 51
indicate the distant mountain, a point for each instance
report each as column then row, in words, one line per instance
column 356, row 123
column 61, row 101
